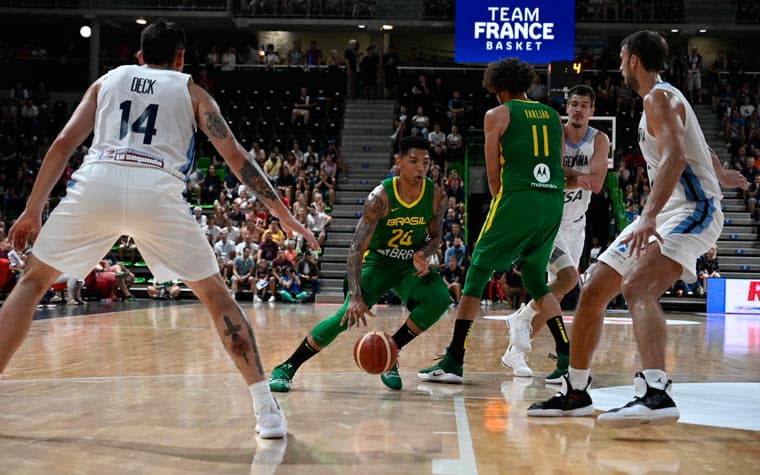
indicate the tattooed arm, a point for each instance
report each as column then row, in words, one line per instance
column 246, row 169
column 375, row 209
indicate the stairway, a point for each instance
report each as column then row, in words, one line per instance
column 738, row 246
column 366, row 153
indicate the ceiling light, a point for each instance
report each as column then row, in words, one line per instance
column 141, row 21
column 703, row 30
column 85, row 31
column 362, row 27
column 387, row 27
column 674, row 30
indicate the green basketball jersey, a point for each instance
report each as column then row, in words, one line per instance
column 400, row 234
column 531, row 148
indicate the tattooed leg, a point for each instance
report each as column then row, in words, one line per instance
column 232, row 325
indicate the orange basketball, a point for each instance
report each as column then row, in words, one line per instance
column 375, row 352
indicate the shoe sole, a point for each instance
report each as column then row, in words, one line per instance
column 553, row 380
column 662, row 417
column 514, row 373
column 449, row 378
column 579, row 412
column 278, row 433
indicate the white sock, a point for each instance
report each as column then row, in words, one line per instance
column 262, row 397
column 656, row 378
column 578, row 377
column 530, row 310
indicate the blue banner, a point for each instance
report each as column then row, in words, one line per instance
column 536, row 31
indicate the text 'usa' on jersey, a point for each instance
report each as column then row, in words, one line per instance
column 531, row 148
column 145, row 118
column 400, row 234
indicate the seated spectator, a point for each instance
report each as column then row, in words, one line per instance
column 236, row 215
column 454, row 144
column 289, row 251
column 707, row 268
column 193, row 187
column 265, row 282
column 199, row 217
column 455, row 232
column 275, row 232
column 273, row 165
column 329, row 167
column 453, row 276
column 280, row 263
column 231, row 185
column 437, row 138
column 302, row 107
column 456, row 108
column 302, row 191
column 124, row 280
column 318, row 221
column 164, row 290
column 435, row 175
column 286, row 183
column 454, row 187
column 292, row 163
column 267, row 249
column 211, row 230
column 242, row 272
column 420, row 123
column 17, row 261
column 211, row 185
column 290, row 287
column 246, row 242
column 459, row 250
column 325, row 187
column 224, row 246
column 308, row 270
column 226, row 264
column 399, row 124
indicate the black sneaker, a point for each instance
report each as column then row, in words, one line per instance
column 568, row 402
column 649, row 406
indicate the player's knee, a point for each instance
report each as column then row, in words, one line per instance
column 476, row 280
column 567, row 278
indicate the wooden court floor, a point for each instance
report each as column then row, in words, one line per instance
column 151, row 391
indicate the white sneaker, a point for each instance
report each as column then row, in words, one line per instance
column 256, row 298
column 649, row 406
column 519, row 330
column 271, row 299
column 517, row 361
column 271, row 423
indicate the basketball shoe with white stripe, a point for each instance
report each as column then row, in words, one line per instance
column 650, row 405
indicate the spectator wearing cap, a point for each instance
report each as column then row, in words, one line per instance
column 200, row 218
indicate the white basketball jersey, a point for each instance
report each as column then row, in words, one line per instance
column 698, row 181
column 145, row 118
column 578, row 157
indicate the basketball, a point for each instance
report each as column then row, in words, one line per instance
column 375, row 352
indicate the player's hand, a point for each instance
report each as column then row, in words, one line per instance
column 26, row 227
column 421, row 264
column 584, row 182
column 639, row 239
column 290, row 225
column 733, row 178
column 356, row 312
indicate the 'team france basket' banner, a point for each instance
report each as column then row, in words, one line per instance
column 537, row 31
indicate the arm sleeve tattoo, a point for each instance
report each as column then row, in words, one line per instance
column 435, row 229
column 254, row 178
column 216, row 125
column 375, row 208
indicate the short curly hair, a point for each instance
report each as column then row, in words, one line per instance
column 509, row 75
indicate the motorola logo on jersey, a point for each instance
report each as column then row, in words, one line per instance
column 541, row 173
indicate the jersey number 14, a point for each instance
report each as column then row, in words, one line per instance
column 145, row 124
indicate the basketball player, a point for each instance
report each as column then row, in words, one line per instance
column 681, row 220
column 389, row 251
column 523, row 147
column 585, row 154
column 131, row 182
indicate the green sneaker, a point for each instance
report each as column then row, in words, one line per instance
column 281, row 378
column 445, row 371
column 391, row 378
column 563, row 361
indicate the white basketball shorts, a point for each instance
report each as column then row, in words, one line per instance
column 107, row 200
column 687, row 232
column 568, row 246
